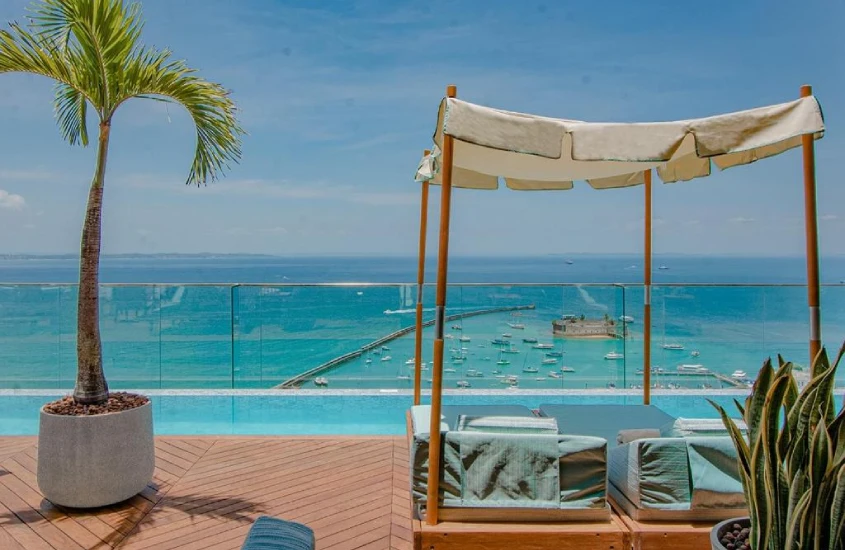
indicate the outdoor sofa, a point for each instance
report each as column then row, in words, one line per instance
column 661, row 468
column 507, row 464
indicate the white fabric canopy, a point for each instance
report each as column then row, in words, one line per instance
column 537, row 153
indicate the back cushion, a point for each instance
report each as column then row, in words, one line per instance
column 697, row 427
column 507, row 424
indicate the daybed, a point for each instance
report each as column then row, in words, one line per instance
column 506, row 464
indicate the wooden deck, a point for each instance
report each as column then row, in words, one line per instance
column 353, row 491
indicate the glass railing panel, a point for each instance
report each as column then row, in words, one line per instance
column 29, row 336
column 196, row 336
column 130, row 328
column 283, row 331
column 833, row 323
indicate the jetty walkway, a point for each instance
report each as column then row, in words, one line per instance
column 299, row 379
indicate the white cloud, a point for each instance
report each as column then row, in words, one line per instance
column 692, row 222
column 276, row 189
column 829, row 217
column 35, row 174
column 742, row 219
column 29, row 226
column 11, row 201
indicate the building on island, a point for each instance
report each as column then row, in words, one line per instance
column 574, row 326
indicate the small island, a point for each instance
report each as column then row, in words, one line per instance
column 574, row 326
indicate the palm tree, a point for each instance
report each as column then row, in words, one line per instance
column 92, row 50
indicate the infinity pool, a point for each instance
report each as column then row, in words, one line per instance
column 322, row 413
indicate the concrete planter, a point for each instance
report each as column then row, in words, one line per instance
column 721, row 528
column 91, row 461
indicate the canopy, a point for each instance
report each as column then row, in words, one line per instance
column 538, row 153
column 479, row 145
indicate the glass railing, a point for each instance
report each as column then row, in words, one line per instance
column 531, row 336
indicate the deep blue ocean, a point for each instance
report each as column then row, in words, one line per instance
column 545, row 269
column 247, row 322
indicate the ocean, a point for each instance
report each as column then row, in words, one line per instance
column 255, row 322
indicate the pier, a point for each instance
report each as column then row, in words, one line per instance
column 297, row 380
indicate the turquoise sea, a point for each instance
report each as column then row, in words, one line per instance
column 254, row 322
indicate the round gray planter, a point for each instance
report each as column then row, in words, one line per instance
column 91, row 461
column 722, row 528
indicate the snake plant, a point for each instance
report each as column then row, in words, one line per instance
column 792, row 458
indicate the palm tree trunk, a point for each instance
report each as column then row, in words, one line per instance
column 91, row 386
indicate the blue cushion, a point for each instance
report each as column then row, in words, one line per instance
column 269, row 533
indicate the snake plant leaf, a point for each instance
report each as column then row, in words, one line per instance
column 776, row 493
column 837, row 511
column 793, row 526
column 754, row 408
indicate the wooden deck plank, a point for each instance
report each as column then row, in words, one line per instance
column 207, row 491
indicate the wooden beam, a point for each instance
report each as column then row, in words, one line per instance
column 647, row 294
column 812, row 236
column 439, row 316
column 420, row 282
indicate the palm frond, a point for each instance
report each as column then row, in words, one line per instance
column 99, row 34
column 24, row 52
column 71, row 112
column 151, row 73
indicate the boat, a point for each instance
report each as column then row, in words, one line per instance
column 569, row 262
column 510, row 350
column 403, row 377
column 499, row 342
column 518, row 326
column 530, row 369
column 376, row 352
column 448, row 337
column 507, row 335
column 457, row 360
column 411, row 361
column 529, row 340
column 368, row 361
column 554, row 354
column 626, row 318
column 503, row 362
column 540, row 379
column 457, row 327
column 663, row 267
column 544, row 346
column 567, row 369
column 450, row 369
column 464, row 339
column 554, row 375
column 739, row 374
column 385, row 348
column 673, row 347
column 321, row 381
column 472, row 373
column 550, row 361
column 486, row 359
column 692, row 369
column 386, row 358
column 463, row 384
column 695, row 353
column 613, row 356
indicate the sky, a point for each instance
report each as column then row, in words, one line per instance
column 339, row 99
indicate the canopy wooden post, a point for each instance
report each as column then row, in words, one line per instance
column 431, row 514
column 420, row 281
column 647, row 294
column 811, row 230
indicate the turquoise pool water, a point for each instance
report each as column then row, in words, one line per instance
column 321, row 413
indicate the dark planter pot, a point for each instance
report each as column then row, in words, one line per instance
column 720, row 529
column 92, row 461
